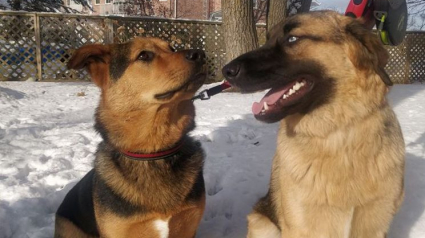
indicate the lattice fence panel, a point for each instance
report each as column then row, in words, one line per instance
column 60, row 36
column 396, row 66
column 407, row 60
column 416, row 56
column 17, row 47
column 181, row 35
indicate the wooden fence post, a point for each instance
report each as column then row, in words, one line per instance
column 109, row 36
column 38, row 46
column 407, row 52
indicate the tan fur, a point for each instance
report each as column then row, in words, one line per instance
column 261, row 226
column 188, row 218
column 338, row 170
column 66, row 229
column 135, row 120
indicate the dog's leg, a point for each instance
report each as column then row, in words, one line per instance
column 373, row 221
column 66, row 229
column 185, row 223
column 304, row 221
column 259, row 226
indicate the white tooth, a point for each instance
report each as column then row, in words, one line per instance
column 291, row 92
column 266, row 107
column 297, row 86
column 285, row 96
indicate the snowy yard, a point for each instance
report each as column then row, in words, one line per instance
column 47, row 144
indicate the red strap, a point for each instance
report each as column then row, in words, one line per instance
column 226, row 85
column 157, row 155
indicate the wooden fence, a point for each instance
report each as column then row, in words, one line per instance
column 38, row 45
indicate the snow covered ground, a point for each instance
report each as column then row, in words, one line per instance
column 47, row 144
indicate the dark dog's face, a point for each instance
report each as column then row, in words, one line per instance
column 305, row 60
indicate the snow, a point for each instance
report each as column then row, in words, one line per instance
column 47, row 144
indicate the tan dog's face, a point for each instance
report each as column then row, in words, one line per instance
column 306, row 60
column 142, row 74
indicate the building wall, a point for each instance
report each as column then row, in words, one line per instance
column 215, row 5
column 187, row 9
column 164, row 8
column 103, row 8
column 75, row 6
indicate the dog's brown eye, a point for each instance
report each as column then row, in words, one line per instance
column 146, row 56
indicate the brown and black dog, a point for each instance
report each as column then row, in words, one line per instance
column 147, row 179
column 339, row 163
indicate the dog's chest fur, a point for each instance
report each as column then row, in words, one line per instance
column 137, row 196
column 349, row 167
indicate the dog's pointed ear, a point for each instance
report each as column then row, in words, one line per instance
column 372, row 53
column 95, row 58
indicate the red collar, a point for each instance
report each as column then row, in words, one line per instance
column 154, row 156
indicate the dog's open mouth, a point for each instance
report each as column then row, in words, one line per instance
column 278, row 98
column 192, row 84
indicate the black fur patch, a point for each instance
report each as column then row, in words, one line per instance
column 109, row 199
column 289, row 26
column 198, row 189
column 120, row 60
column 100, row 128
column 78, row 205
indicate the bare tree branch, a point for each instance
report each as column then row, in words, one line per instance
column 45, row 5
column 260, row 11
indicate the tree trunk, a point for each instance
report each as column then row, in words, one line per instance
column 276, row 12
column 240, row 35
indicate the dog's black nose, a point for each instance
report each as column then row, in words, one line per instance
column 231, row 70
column 195, row 55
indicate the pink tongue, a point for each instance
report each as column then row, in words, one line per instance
column 270, row 98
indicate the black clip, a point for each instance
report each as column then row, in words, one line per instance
column 208, row 93
column 203, row 95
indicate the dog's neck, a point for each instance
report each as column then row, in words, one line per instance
column 157, row 178
column 146, row 131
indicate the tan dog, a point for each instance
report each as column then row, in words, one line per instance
column 339, row 164
column 147, row 179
